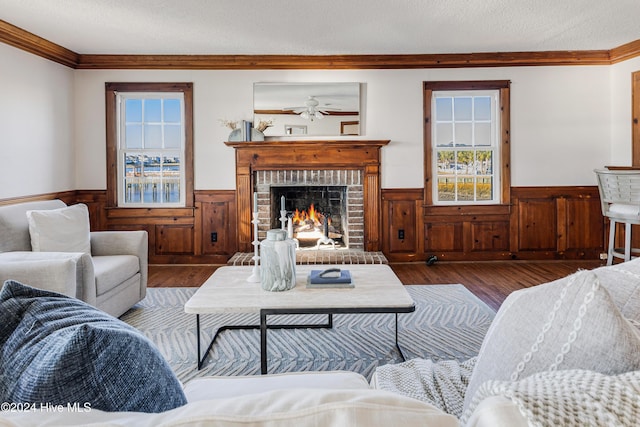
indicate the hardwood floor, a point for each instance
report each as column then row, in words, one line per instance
column 491, row 281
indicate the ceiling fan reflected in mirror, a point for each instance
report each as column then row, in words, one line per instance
column 312, row 109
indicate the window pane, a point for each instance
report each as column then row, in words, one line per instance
column 172, row 136
column 446, row 163
column 152, row 110
column 172, row 111
column 171, row 178
column 482, row 108
column 484, row 188
column 446, row 189
column 443, row 109
column 152, row 136
column 133, row 170
column 465, row 162
column 463, row 134
column 485, row 162
column 133, row 110
column 151, row 174
column 462, row 108
column 465, row 189
column 444, row 134
column 133, row 136
column 482, row 134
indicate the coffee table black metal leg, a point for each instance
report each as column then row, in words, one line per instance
column 263, row 343
column 198, row 340
column 398, row 344
column 221, row 329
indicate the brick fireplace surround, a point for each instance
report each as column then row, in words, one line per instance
column 333, row 157
column 351, row 179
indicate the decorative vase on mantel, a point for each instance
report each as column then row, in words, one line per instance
column 236, row 135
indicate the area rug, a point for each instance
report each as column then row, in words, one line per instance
column 449, row 323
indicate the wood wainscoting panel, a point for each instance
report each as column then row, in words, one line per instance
column 217, row 219
column 540, row 223
column 557, row 223
column 467, row 232
column 537, row 225
column 489, row 236
column 443, row 237
column 402, row 224
column 584, row 224
column 174, row 239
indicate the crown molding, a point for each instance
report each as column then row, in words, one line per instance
column 17, row 37
column 624, row 52
column 306, row 62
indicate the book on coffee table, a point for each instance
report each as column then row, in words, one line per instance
column 329, row 278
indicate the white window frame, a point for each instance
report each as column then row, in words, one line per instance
column 496, row 185
column 121, row 97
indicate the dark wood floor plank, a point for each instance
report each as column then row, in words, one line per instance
column 491, row 281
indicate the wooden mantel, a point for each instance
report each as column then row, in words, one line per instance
column 361, row 155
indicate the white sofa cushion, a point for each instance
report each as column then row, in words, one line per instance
column 14, row 226
column 278, row 408
column 571, row 323
column 112, row 270
column 207, row 388
column 622, row 281
column 64, row 229
column 497, row 411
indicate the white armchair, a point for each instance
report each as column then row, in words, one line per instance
column 113, row 277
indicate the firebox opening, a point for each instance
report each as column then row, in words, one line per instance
column 318, row 214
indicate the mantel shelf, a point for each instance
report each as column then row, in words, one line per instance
column 308, row 142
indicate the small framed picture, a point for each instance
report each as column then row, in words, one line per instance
column 295, row 129
column 350, row 128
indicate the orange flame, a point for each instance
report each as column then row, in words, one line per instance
column 304, row 216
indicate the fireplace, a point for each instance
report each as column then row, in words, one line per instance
column 336, row 195
column 267, row 166
column 317, row 213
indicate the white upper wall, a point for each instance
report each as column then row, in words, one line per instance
column 565, row 121
column 560, row 119
column 621, row 117
column 36, row 125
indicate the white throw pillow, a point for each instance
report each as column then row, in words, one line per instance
column 60, row 230
column 567, row 324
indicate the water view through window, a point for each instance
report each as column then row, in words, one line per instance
column 151, row 149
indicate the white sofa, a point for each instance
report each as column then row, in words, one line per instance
column 112, row 277
column 578, row 366
column 318, row 399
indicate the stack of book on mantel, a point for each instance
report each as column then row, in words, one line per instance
column 329, row 278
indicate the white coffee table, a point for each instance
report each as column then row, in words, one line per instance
column 377, row 290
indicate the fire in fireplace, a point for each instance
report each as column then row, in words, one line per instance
column 317, row 213
column 310, row 227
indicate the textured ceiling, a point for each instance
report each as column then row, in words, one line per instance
column 325, row 27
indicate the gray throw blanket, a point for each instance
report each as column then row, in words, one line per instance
column 441, row 384
column 572, row 398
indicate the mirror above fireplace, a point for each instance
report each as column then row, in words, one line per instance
column 308, row 109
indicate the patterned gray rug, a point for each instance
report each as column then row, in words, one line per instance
column 449, row 323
